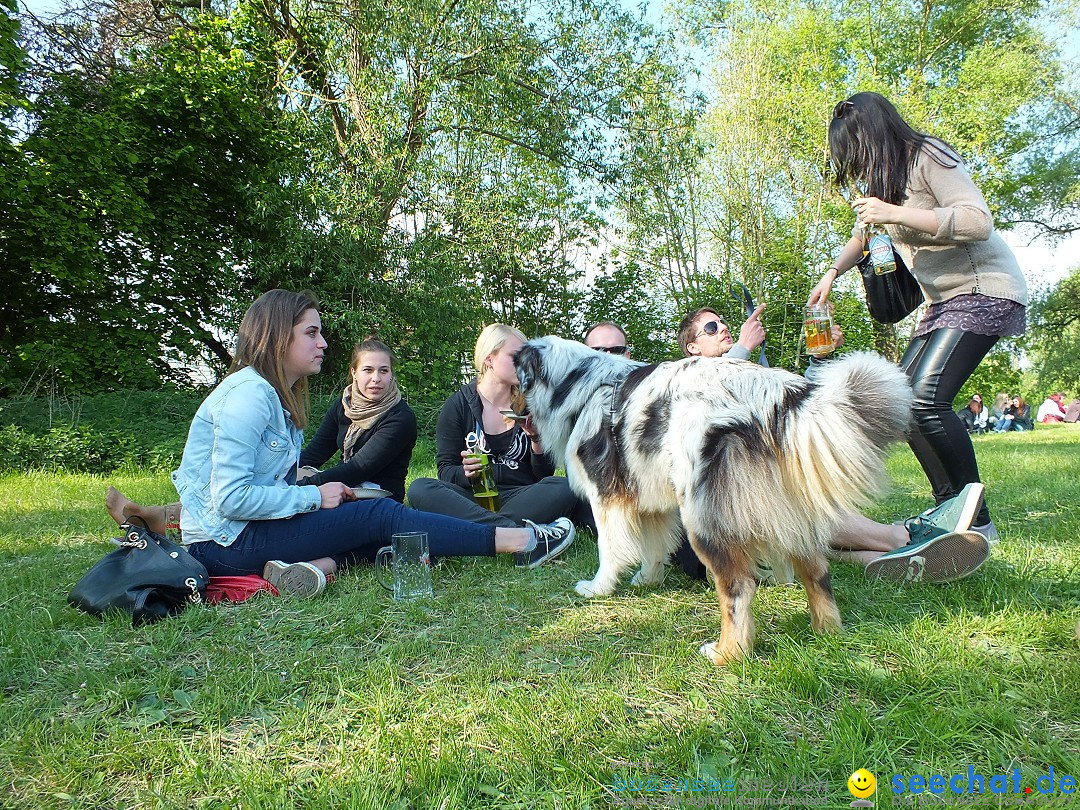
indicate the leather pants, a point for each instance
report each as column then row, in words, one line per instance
column 937, row 365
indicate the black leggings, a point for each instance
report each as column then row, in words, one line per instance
column 938, row 365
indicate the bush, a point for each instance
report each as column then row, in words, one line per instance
column 96, row 433
column 103, row 432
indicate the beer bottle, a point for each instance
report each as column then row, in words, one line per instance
column 483, row 483
column 881, row 250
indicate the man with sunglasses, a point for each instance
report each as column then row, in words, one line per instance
column 609, row 337
column 703, row 334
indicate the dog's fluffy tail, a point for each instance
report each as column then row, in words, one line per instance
column 857, row 406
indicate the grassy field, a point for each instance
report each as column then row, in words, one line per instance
column 507, row 691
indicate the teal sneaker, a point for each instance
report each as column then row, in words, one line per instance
column 945, row 558
column 954, row 515
column 989, row 531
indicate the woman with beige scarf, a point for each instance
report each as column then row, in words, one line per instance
column 371, row 425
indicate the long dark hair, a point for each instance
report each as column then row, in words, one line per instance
column 870, row 143
column 263, row 341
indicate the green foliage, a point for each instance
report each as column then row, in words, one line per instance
column 998, row 372
column 432, row 168
column 142, row 430
column 1054, row 337
column 621, row 294
column 135, row 201
column 12, row 63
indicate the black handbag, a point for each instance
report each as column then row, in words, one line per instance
column 148, row 576
column 890, row 297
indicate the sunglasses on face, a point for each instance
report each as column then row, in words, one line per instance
column 611, row 349
column 841, row 108
column 711, row 328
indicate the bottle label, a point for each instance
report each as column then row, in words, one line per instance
column 881, row 254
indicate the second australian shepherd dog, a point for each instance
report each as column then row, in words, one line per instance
column 754, row 462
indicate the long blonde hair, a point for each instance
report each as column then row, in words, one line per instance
column 492, row 338
column 263, row 342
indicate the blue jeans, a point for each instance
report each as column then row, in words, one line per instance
column 352, row 532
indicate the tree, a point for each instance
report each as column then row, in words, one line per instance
column 1054, row 336
column 980, row 75
column 136, row 200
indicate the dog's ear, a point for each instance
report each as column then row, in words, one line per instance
column 528, row 366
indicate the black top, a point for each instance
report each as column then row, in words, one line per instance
column 1021, row 416
column 515, row 464
column 381, row 454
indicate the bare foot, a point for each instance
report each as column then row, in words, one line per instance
column 117, row 503
column 121, row 508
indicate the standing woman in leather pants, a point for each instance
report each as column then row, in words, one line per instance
column 918, row 188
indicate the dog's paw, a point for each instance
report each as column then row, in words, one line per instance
column 713, row 653
column 588, row 589
column 827, row 626
column 641, row 579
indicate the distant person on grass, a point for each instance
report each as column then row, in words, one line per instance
column 1051, row 410
column 243, row 512
column 973, row 415
column 997, row 410
column 1017, row 417
column 1072, row 411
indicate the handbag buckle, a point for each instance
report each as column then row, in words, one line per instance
column 134, row 539
column 194, row 597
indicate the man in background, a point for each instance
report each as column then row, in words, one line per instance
column 702, row 333
column 609, row 337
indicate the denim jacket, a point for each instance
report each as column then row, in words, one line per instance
column 239, row 463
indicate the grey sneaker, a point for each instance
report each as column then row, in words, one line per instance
column 945, row 558
column 954, row 515
column 552, row 539
column 300, row 579
column 989, row 531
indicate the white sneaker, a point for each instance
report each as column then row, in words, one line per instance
column 300, row 579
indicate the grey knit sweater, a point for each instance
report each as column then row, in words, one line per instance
column 966, row 254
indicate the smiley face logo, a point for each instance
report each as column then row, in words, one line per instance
column 861, row 783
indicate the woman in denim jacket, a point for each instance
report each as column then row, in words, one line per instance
column 242, row 510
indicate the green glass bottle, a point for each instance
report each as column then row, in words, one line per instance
column 483, row 483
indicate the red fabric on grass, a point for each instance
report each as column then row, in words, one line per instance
column 236, row 589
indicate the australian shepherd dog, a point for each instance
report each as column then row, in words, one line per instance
column 752, row 462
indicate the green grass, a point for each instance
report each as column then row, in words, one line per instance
column 508, row 691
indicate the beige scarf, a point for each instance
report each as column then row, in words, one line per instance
column 363, row 412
